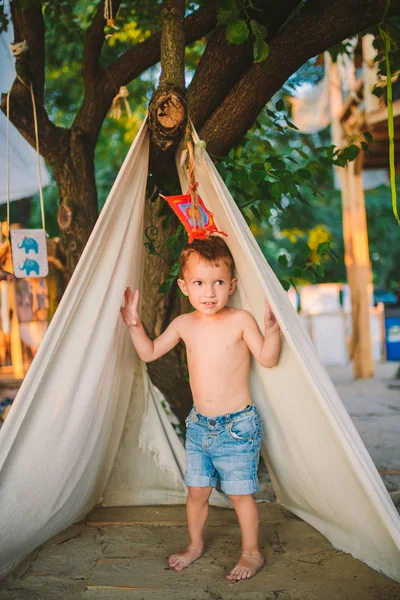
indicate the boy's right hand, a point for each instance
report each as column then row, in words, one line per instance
column 129, row 311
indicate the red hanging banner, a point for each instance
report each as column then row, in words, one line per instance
column 197, row 220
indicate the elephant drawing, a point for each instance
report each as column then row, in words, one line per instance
column 30, row 265
column 29, row 244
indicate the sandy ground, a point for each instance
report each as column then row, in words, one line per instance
column 122, row 553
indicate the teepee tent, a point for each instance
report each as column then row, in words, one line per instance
column 87, row 426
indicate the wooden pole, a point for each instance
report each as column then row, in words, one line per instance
column 359, row 271
column 355, row 237
column 15, row 335
column 370, row 74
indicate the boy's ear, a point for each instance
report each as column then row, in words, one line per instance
column 182, row 286
column 232, row 285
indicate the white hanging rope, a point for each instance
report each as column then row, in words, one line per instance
column 108, row 12
column 8, row 159
column 38, row 156
column 16, row 49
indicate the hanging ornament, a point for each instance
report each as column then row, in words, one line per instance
column 29, row 252
column 190, row 209
column 115, row 111
column 198, row 221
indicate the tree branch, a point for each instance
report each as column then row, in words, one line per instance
column 222, row 63
column 317, row 27
column 167, row 108
column 21, row 115
column 29, row 25
column 172, row 43
column 94, row 41
column 98, row 99
column 147, row 53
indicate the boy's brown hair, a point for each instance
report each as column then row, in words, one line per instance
column 212, row 249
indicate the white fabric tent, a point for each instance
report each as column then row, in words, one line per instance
column 23, row 158
column 87, row 426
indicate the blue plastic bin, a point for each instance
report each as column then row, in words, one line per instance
column 392, row 327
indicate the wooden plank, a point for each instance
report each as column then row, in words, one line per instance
column 389, row 471
column 174, row 515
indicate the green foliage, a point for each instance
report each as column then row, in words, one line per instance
column 237, row 32
column 342, row 48
column 240, row 18
column 275, row 180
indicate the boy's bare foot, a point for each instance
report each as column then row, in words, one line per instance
column 248, row 565
column 183, row 559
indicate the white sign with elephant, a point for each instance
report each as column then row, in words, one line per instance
column 29, row 252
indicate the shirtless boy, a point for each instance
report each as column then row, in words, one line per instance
column 224, row 428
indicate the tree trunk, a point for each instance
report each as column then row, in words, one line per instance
column 73, row 167
column 169, row 373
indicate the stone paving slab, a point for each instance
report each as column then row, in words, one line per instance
column 107, row 562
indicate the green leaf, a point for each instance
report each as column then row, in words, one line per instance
column 351, row 152
column 365, row 147
column 165, row 286
column 260, row 50
column 308, row 276
column 378, row 91
column 302, row 154
column 368, row 136
column 225, row 17
column 279, row 128
column 282, row 260
column 324, row 248
column 305, row 251
column 265, row 210
column 291, row 125
column 298, row 272
column 258, row 30
column 340, row 161
column 319, row 269
column 237, row 32
column 285, row 284
column 280, row 105
column 271, row 114
column 304, row 174
column 256, row 213
column 277, row 189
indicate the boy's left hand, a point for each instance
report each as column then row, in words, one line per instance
column 270, row 321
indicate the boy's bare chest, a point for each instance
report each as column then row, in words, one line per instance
column 215, row 340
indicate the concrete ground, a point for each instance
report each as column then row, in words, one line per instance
column 121, row 553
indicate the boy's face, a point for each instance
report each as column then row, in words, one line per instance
column 207, row 285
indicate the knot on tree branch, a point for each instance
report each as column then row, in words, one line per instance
column 167, row 117
column 172, row 12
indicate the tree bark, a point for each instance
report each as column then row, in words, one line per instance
column 72, row 163
column 169, row 373
column 167, row 108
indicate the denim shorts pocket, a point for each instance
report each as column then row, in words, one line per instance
column 189, row 418
column 243, row 429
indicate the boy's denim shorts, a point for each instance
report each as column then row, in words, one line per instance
column 225, row 450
